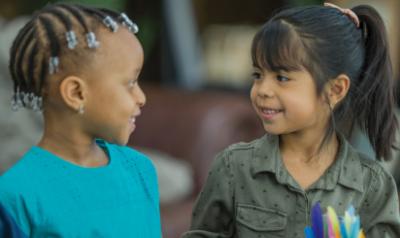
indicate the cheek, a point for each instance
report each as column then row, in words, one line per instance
column 253, row 93
column 101, row 93
column 301, row 106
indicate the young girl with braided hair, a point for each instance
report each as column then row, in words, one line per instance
column 314, row 67
column 80, row 66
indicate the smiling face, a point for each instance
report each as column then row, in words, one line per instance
column 285, row 94
column 287, row 102
column 114, row 97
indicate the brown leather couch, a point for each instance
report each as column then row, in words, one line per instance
column 193, row 126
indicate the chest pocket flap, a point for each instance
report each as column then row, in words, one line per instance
column 260, row 219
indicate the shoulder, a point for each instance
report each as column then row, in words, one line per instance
column 21, row 166
column 243, row 148
column 9, row 193
column 243, row 152
column 247, row 146
column 373, row 168
column 360, row 169
column 16, row 185
column 18, row 178
column 137, row 163
column 377, row 180
column 379, row 210
column 131, row 157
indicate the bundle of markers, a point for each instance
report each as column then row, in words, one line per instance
column 329, row 225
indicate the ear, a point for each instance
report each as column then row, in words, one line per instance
column 73, row 91
column 337, row 89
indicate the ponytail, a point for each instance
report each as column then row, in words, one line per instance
column 331, row 44
column 374, row 102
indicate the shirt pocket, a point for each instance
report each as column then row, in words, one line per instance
column 254, row 221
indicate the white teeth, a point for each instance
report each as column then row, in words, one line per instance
column 269, row 111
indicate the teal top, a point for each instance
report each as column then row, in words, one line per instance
column 45, row 196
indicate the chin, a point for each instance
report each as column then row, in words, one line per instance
column 122, row 141
column 277, row 132
column 120, row 137
column 272, row 131
column 118, row 140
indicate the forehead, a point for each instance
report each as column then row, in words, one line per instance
column 119, row 51
column 121, row 44
column 277, row 46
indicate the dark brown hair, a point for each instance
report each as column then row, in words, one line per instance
column 328, row 43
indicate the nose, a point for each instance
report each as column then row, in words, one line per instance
column 140, row 97
column 265, row 87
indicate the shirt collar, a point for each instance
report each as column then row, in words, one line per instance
column 266, row 155
column 346, row 170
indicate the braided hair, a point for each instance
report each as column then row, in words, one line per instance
column 50, row 40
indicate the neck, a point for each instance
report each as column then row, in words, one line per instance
column 306, row 147
column 68, row 142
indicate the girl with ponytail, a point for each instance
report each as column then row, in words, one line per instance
column 316, row 68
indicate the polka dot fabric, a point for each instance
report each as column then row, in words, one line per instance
column 249, row 193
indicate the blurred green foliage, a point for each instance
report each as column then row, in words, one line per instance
column 306, row 2
column 117, row 5
column 11, row 9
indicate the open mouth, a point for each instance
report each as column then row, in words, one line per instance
column 132, row 121
column 269, row 113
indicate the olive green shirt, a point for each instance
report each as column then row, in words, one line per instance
column 249, row 193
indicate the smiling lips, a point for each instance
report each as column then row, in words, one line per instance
column 269, row 113
column 132, row 120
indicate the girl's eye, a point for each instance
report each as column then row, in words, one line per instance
column 132, row 83
column 282, row 78
column 255, row 76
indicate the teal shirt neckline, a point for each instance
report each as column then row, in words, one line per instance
column 103, row 145
column 48, row 196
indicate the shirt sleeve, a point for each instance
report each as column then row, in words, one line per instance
column 14, row 222
column 381, row 207
column 149, row 172
column 213, row 214
column 151, row 179
column 8, row 227
column 148, row 178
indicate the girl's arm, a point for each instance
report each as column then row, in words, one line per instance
column 8, row 227
column 380, row 210
column 213, row 214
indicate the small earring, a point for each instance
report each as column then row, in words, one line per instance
column 81, row 109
